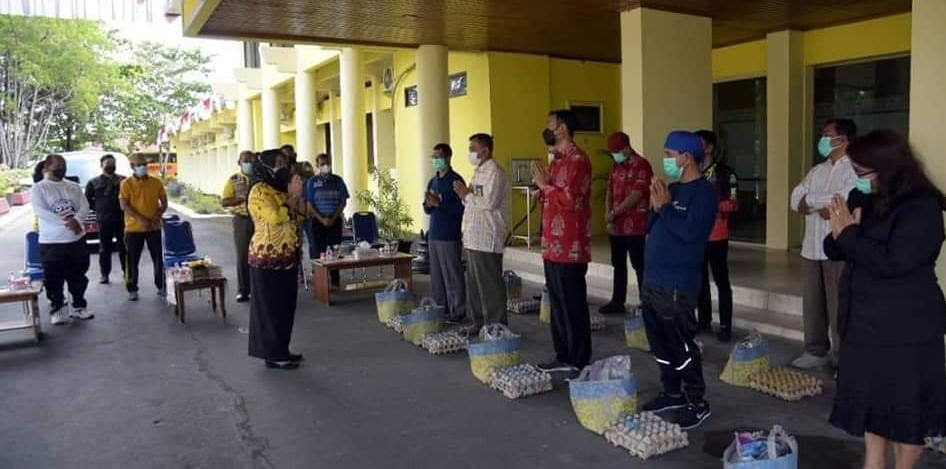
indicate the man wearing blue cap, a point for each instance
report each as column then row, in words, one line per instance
column 682, row 216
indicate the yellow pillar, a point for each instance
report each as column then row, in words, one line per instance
column 305, row 115
column 354, row 133
column 666, row 76
column 244, row 124
column 433, row 110
column 785, row 136
column 270, row 112
column 928, row 92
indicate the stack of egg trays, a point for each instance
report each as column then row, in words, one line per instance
column 936, row 443
column 520, row 381
column 786, row 384
column 598, row 322
column 440, row 343
column 523, row 305
column 646, row 435
column 397, row 323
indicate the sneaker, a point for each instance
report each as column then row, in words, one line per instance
column 724, row 334
column 451, row 320
column 808, row 361
column 282, row 365
column 241, row 298
column 665, row 401
column 104, row 280
column 133, row 296
column 557, row 366
column 81, row 314
column 692, row 415
column 59, row 316
column 613, row 308
column 163, row 293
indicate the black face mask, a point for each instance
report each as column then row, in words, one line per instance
column 59, row 173
column 281, row 181
column 549, row 137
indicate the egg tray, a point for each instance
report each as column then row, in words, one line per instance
column 523, row 306
column 598, row 322
column 786, row 384
column 936, row 443
column 397, row 323
column 646, row 435
column 440, row 343
column 520, row 381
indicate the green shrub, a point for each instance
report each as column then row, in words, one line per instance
column 193, row 198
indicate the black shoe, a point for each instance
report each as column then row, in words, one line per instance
column 613, row 308
column 103, row 280
column 286, row 365
column 665, row 401
column 450, row 320
column 692, row 415
column 557, row 366
column 241, row 298
column 296, row 357
column 704, row 327
column 724, row 334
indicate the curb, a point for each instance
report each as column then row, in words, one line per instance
column 187, row 212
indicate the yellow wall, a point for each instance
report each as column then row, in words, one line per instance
column 881, row 36
column 740, row 61
column 257, row 106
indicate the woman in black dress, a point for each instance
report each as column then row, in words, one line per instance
column 892, row 315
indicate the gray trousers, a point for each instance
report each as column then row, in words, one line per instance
column 448, row 287
column 485, row 289
column 820, row 305
column 242, row 232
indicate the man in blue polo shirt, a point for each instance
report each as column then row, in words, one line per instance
column 328, row 195
column 445, row 208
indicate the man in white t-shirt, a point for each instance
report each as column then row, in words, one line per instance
column 60, row 206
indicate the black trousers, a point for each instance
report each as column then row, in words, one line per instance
column 65, row 263
column 571, row 324
column 322, row 237
column 623, row 247
column 135, row 243
column 670, row 326
column 242, row 233
column 717, row 260
column 111, row 238
column 272, row 312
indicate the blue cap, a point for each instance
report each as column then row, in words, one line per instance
column 685, row 142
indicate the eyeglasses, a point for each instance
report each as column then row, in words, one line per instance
column 864, row 174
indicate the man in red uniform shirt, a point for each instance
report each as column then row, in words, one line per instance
column 566, row 241
column 626, row 209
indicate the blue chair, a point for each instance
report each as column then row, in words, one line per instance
column 171, row 218
column 34, row 262
column 179, row 244
column 365, row 227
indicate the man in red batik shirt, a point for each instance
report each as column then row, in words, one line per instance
column 566, row 241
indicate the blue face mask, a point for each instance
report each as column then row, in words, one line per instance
column 247, row 168
column 619, row 157
column 864, row 185
column 141, row 171
column 671, row 169
column 824, row 146
column 440, row 164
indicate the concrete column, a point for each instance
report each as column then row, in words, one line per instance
column 244, row 125
column 355, row 166
column 928, row 92
column 433, row 109
column 270, row 112
column 335, row 132
column 305, row 115
column 666, row 77
column 375, row 120
column 785, row 136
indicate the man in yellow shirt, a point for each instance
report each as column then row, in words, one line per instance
column 235, row 192
column 143, row 201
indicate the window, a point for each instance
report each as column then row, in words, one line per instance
column 588, row 117
column 410, row 96
column 369, row 127
column 251, row 54
column 458, row 84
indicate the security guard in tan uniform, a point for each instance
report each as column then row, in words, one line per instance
column 235, row 192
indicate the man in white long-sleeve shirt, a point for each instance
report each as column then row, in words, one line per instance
column 821, row 276
column 60, row 206
column 485, row 219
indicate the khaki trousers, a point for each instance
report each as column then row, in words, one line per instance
column 820, row 281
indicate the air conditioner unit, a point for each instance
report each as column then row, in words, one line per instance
column 173, row 8
column 387, row 80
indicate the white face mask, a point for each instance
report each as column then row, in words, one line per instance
column 474, row 158
column 325, row 169
column 141, row 171
column 551, row 157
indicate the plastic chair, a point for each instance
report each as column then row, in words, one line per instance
column 171, row 218
column 34, row 262
column 179, row 244
column 365, row 227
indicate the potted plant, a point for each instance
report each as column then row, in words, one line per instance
column 394, row 220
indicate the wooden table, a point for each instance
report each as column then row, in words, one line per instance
column 214, row 284
column 30, row 300
column 321, row 272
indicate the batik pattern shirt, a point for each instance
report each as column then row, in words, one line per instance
column 566, row 215
column 275, row 243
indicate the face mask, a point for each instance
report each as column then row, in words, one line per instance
column 141, row 171
column 864, row 185
column 281, row 183
column 548, row 136
column 474, row 158
column 440, row 164
column 551, row 157
column 325, row 169
column 824, row 146
column 59, row 173
column 247, row 168
column 619, row 157
column 109, row 169
column 671, row 169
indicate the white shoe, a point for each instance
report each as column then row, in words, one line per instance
column 808, row 361
column 133, row 296
column 59, row 317
column 81, row 313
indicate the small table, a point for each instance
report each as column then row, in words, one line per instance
column 213, row 284
column 321, row 271
column 30, row 300
column 526, row 191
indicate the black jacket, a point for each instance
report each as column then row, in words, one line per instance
column 889, row 294
column 102, row 194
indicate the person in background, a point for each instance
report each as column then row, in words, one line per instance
column 485, row 221
column 328, row 196
column 565, row 192
column 59, row 205
column 445, row 208
column 277, row 208
column 290, row 154
column 144, row 201
column 627, row 204
column 717, row 249
column 889, row 233
column 683, row 216
column 821, row 275
column 235, row 192
column 102, row 194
